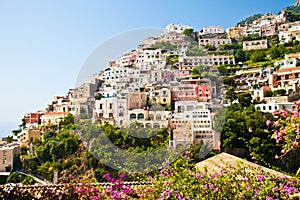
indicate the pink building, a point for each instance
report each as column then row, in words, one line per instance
column 179, row 74
column 268, row 30
column 192, row 90
column 127, row 59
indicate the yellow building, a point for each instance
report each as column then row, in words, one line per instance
column 30, row 135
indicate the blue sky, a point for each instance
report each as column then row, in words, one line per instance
column 43, row 44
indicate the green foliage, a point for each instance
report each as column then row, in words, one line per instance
column 246, row 128
column 280, row 92
column 240, row 56
column 68, row 122
column 294, row 9
column 43, row 154
column 276, row 51
column 188, row 31
column 47, row 169
column 168, row 107
column 268, row 93
column 8, row 139
column 231, row 46
column 195, row 51
column 144, row 141
column 98, row 96
column 253, row 37
column 229, row 81
column 250, row 19
column 23, row 150
column 258, row 56
column 199, row 70
column 165, row 46
column 230, row 94
column 293, row 13
column 241, row 181
column 49, row 135
column 16, row 177
column 171, row 59
column 53, row 150
column 83, row 113
column 15, row 132
column 28, row 180
column 244, row 99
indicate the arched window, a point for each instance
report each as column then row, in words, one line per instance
column 132, row 116
column 140, row 116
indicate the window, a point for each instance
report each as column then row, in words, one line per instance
column 101, row 106
column 110, row 106
column 158, row 117
column 110, row 115
column 4, row 161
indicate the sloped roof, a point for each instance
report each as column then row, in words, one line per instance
column 229, row 162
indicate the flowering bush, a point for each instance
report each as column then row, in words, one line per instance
column 179, row 180
column 286, row 129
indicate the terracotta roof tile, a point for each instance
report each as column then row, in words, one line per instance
column 229, row 162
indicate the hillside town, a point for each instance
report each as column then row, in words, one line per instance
column 146, row 86
column 174, row 81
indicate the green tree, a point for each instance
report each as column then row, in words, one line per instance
column 23, row 150
column 276, row 51
column 43, row 154
column 268, row 93
column 49, row 135
column 230, row 94
column 188, row 31
column 250, row 19
column 15, row 177
column 28, row 180
column 280, row 92
column 258, row 56
column 240, row 56
column 68, row 120
column 244, row 99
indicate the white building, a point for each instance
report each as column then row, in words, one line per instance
column 111, row 110
column 53, row 118
column 190, row 62
column 178, row 28
column 293, row 33
column 191, row 124
column 214, row 41
column 212, row 30
column 271, row 107
column 253, row 30
column 147, row 58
